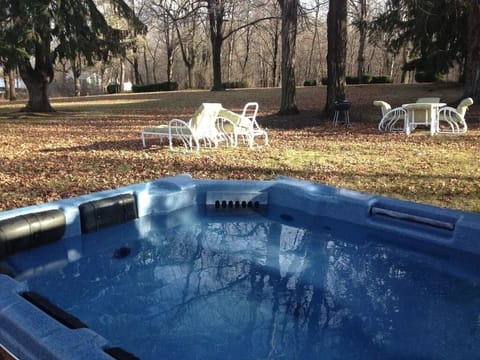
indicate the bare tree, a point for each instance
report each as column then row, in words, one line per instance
column 217, row 10
column 137, row 45
column 310, row 73
column 164, row 13
column 188, row 31
column 360, row 22
column 268, row 39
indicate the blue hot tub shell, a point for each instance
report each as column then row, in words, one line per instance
column 29, row 333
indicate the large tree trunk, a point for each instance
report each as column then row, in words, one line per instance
column 38, row 76
column 289, row 34
column 472, row 66
column 337, row 52
column 37, row 81
column 216, row 11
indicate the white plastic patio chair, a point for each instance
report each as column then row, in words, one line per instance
column 393, row 120
column 432, row 99
column 452, row 120
column 200, row 128
column 245, row 126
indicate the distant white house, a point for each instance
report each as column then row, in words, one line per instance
column 19, row 84
column 127, row 86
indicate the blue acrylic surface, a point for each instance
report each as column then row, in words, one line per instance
column 283, row 286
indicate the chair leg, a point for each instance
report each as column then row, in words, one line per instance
column 335, row 118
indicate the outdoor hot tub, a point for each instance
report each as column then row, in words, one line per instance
column 180, row 268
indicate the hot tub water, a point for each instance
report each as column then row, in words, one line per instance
column 281, row 286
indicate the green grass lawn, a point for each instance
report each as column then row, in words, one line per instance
column 93, row 143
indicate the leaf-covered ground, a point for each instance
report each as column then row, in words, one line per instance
column 93, row 143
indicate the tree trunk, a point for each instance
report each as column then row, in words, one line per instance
column 190, row 77
column 187, row 48
column 229, row 58
column 405, row 59
column 275, row 55
column 37, row 81
column 244, row 62
column 170, row 61
column 9, row 80
column 146, row 65
column 7, row 86
column 362, row 29
column 308, row 71
column 216, row 10
column 472, row 66
column 136, row 72
column 337, row 52
column 77, row 71
column 289, row 34
column 122, row 76
column 12, row 77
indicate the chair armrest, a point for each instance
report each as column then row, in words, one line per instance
column 396, row 112
column 179, row 127
column 447, row 108
column 394, row 120
column 225, row 125
column 226, row 130
column 448, row 113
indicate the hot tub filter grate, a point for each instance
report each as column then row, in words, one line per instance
column 233, row 201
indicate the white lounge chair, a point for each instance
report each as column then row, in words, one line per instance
column 245, row 126
column 202, row 127
column 394, row 120
column 452, row 120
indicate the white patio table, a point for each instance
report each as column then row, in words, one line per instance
column 422, row 113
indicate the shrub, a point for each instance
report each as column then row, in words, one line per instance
column 310, row 83
column 235, row 85
column 351, row 80
column 113, row 88
column 424, row 76
column 164, row 86
column 367, row 78
column 381, row 79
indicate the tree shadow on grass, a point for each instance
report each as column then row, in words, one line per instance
column 306, row 119
column 107, row 145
